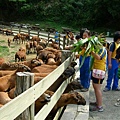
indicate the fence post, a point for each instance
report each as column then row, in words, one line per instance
column 64, row 38
column 48, row 36
column 38, row 33
column 19, row 29
column 29, row 31
column 23, row 82
column 59, row 39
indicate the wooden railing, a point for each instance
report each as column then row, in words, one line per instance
column 37, row 32
column 16, row 106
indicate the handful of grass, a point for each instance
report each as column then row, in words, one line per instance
column 90, row 44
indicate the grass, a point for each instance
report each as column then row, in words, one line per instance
column 48, row 24
column 58, row 26
column 4, row 51
column 2, row 41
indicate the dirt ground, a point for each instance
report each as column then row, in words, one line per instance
column 110, row 112
column 13, row 48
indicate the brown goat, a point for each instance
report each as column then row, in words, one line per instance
column 4, row 98
column 20, row 55
column 38, row 49
column 17, row 38
column 65, row 99
column 29, row 46
column 34, row 46
column 27, row 36
column 13, row 66
column 8, row 81
column 36, row 38
column 9, row 41
column 2, row 60
column 44, row 68
column 9, row 32
column 5, row 72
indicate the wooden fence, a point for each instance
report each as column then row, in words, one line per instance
column 37, row 32
column 19, row 104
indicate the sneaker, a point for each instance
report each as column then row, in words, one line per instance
column 106, row 89
column 93, row 104
column 118, row 100
column 117, row 89
column 84, row 90
column 117, row 104
column 99, row 109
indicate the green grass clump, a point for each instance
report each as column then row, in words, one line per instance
column 2, row 41
column 4, row 51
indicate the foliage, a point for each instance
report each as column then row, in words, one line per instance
column 83, row 13
column 88, row 44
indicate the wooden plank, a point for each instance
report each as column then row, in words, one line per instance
column 58, row 113
column 70, row 112
column 77, row 112
column 83, row 110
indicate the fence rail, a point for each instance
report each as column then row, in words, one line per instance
column 37, row 32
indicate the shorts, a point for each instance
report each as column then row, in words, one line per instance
column 96, row 80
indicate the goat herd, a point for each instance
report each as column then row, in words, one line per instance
column 48, row 58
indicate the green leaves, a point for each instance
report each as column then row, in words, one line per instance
column 89, row 44
column 92, row 42
column 118, row 73
column 79, row 44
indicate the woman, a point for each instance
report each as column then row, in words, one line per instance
column 85, row 69
column 98, row 65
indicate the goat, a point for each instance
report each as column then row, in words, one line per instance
column 54, row 44
column 9, row 32
column 38, row 49
column 16, row 38
column 9, row 41
column 4, row 98
column 5, row 72
column 36, row 38
column 65, row 99
column 2, row 60
column 43, row 55
column 8, row 81
column 44, row 68
column 20, row 55
column 29, row 46
column 34, row 46
column 30, row 63
column 27, row 36
column 23, row 38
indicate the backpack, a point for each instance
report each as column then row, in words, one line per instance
column 113, row 45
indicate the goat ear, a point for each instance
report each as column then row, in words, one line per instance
column 32, row 61
column 27, row 69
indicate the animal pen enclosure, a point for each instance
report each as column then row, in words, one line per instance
column 18, row 105
column 15, row 107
